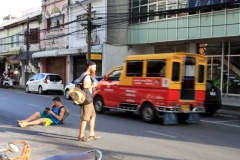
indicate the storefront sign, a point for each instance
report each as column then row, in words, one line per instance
column 95, row 56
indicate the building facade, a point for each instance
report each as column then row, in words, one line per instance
column 210, row 28
column 54, row 38
column 13, row 45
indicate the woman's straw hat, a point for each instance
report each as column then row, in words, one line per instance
column 77, row 95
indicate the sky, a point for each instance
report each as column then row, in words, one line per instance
column 17, row 7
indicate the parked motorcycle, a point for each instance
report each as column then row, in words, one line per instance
column 88, row 155
column 6, row 82
column 13, row 147
column 26, row 151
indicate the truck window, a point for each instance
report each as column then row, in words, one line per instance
column 175, row 71
column 115, row 75
column 156, row 68
column 134, row 68
column 200, row 73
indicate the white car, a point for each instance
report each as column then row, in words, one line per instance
column 73, row 83
column 44, row 82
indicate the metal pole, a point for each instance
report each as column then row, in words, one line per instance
column 27, row 43
column 89, row 32
column 27, row 51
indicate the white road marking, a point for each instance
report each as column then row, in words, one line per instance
column 227, row 121
column 33, row 105
column 221, row 123
column 76, row 115
column 46, row 96
column 162, row 134
column 3, row 98
column 21, row 92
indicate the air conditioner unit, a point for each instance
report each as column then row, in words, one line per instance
column 23, row 48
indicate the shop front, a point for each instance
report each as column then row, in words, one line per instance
column 79, row 64
column 223, row 61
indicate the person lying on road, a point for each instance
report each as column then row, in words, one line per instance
column 48, row 117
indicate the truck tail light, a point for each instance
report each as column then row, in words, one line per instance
column 174, row 104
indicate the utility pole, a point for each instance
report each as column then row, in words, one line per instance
column 27, row 34
column 89, row 28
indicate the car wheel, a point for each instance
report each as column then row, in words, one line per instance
column 98, row 105
column 67, row 95
column 40, row 91
column 148, row 113
column 210, row 112
column 27, row 89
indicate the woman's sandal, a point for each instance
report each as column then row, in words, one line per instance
column 94, row 137
column 84, row 139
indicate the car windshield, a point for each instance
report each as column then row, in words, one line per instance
column 76, row 80
column 209, row 85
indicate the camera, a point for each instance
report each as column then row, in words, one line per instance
column 46, row 110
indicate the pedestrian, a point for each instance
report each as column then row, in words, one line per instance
column 87, row 111
column 50, row 116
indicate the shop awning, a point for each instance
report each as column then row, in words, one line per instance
column 49, row 53
column 64, row 52
column 23, row 55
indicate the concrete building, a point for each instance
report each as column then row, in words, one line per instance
column 13, row 45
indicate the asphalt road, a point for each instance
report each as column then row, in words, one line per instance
column 123, row 136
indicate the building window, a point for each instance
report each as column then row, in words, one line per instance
column 12, row 41
column 17, row 40
column 150, row 10
column 55, row 21
column 35, row 36
column 2, row 45
column 134, row 68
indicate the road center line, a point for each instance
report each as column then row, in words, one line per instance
column 76, row 115
column 161, row 134
column 221, row 123
column 33, row 105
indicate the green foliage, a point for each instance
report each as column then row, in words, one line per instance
column 233, row 86
column 40, row 18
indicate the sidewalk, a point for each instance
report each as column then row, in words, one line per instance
column 230, row 105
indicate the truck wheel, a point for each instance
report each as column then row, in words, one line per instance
column 98, row 105
column 210, row 112
column 148, row 113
